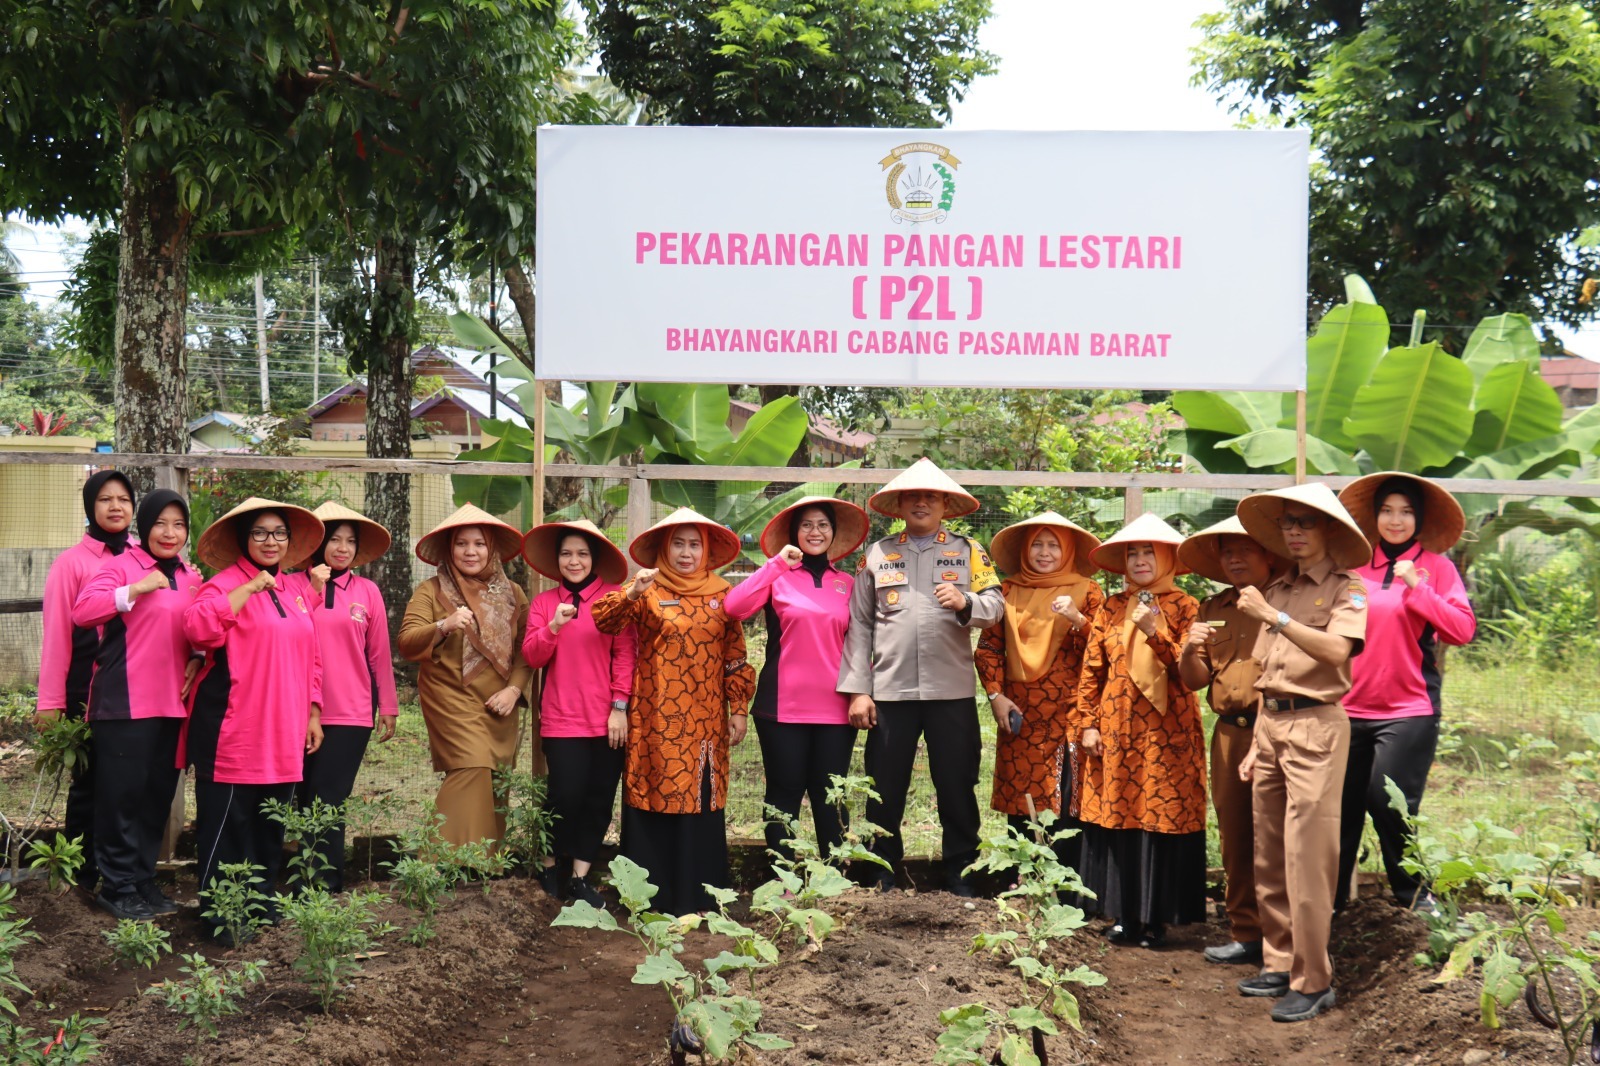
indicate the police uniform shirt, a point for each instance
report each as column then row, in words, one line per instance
column 902, row 644
column 1323, row 597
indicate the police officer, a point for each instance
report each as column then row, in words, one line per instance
column 908, row 666
column 1315, row 614
column 1219, row 652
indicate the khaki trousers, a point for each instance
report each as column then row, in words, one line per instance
column 1299, row 777
column 466, row 799
column 1236, row 826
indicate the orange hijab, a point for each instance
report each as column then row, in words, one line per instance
column 700, row 583
column 1035, row 633
column 1146, row 670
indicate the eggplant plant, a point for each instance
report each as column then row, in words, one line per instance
column 709, row 1018
column 1033, row 920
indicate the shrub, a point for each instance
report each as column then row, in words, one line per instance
column 137, row 943
column 70, row 1042
column 237, row 907
column 208, row 994
column 332, row 932
column 60, row 860
column 528, row 817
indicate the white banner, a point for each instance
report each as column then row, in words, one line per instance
column 923, row 257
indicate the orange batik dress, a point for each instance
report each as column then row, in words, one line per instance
column 1035, row 763
column 690, row 675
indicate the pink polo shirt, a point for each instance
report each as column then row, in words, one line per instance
column 273, row 676
column 139, row 665
column 1390, row 678
column 65, row 648
column 353, row 639
column 806, row 622
column 584, row 669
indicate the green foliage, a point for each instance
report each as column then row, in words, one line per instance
column 137, row 943
column 60, row 750
column 420, row 885
column 332, row 932
column 1454, row 142
column 523, row 800
column 1032, row 919
column 61, row 860
column 63, row 1043
column 14, row 934
column 1545, row 617
column 237, row 907
column 209, row 994
column 786, row 63
column 724, row 1023
column 305, row 827
column 364, row 814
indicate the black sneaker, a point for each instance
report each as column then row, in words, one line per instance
column 159, row 901
column 959, row 887
column 1272, row 984
column 579, row 888
column 126, row 905
column 883, row 880
column 1236, row 952
column 549, row 878
column 1302, row 1006
column 1154, row 936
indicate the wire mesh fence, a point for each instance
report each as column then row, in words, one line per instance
column 1529, row 678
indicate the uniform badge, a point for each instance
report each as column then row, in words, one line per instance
column 861, row 564
column 951, row 554
column 893, row 557
column 941, row 538
column 1317, row 602
column 715, row 603
column 358, row 611
column 893, row 597
column 950, row 575
column 890, row 577
column 985, row 557
column 838, row 586
column 1359, row 599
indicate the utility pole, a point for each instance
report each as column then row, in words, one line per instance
column 261, row 344
column 316, row 329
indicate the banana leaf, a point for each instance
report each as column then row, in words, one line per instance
column 1514, row 405
column 1416, row 412
column 1340, row 358
column 1276, row 448
column 1500, row 340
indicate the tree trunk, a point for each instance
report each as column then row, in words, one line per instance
column 771, row 394
column 558, row 492
column 389, row 395
column 152, row 388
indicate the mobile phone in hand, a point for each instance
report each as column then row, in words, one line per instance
column 1015, row 722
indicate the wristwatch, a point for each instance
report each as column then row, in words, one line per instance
column 619, row 705
column 992, row 696
column 1283, row 620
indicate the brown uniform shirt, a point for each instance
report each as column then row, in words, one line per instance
column 1229, row 656
column 1324, row 597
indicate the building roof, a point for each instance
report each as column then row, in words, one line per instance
column 474, row 397
column 1569, row 371
column 251, row 426
column 475, row 402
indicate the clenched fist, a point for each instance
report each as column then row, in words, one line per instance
column 791, row 555
column 318, row 577
column 262, row 582
column 154, row 581
column 1144, row 617
column 1199, row 634
column 1406, row 571
column 1064, row 605
column 455, row 620
column 565, row 613
column 949, row 597
column 1254, row 605
column 641, row 582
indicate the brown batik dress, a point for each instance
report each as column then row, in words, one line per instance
column 1144, row 796
column 1036, row 762
column 690, row 675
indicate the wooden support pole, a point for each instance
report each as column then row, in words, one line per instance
column 1300, row 437
column 638, row 507
column 1132, row 503
column 538, row 451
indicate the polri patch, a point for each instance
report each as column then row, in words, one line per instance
column 893, row 557
column 884, row 578
column 893, row 598
column 951, row 554
column 950, row 575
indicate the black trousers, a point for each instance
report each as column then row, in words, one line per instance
column 798, row 759
column 680, row 852
column 230, row 827
column 951, row 729
column 584, row 772
column 135, row 773
column 330, row 776
column 79, row 816
column 1398, row 748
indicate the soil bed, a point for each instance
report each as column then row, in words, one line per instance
column 500, row 986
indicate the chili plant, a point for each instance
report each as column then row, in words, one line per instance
column 420, row 885
column 61, row 860
column 709, row 1017
column 209, row 994
column 137, row 943
column 332, row 933
column 13, row 935
column 363, row 814
column 528, row 816
column 60, row 750
column 307, row 828
column 69, row 1043
column 1033, row 920
column 236, row 908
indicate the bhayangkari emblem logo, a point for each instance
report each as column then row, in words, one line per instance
column 921, row 184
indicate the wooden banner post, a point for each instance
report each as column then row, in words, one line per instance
column 1300, row 437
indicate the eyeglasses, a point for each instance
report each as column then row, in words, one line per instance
column 261, row 536
column 1303, row 521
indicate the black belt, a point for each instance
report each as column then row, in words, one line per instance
column 1243, row 721
column 1291, row 703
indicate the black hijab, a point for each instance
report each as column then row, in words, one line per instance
column 1398, row 486
column 150, row 509
column 116, row 543
column 574, row 588
column 815, row 565
column 241, row 529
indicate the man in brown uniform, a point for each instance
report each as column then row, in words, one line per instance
column 1316, row 619
column 1219, row 652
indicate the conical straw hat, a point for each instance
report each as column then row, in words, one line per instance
column 1347, row 546
column 1202, row 551
column 542, row 548
column 1008, row 544
column 219, row 544
column 435, row 546
column 850, row 527
column 372, row 540
column 927, row 477
column 722, row 549
column 1148, row 528
column 1442, row 519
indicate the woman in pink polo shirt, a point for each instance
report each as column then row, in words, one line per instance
column 802, row 723
column 136, row 700
column 256, row 707
column 588, row 677
column 357, row 673
column 66, row 654
column 1415, row 599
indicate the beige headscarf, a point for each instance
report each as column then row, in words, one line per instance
column 491, row 636
column 1034, row 632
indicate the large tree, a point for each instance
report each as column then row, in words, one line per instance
column 1456, row 144
column 879, row 63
